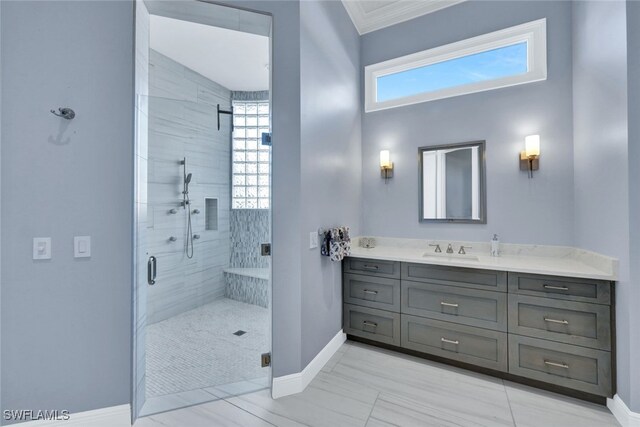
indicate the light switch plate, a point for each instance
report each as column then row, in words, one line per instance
column 42, row 248
column 82, row 246
column 313, row 240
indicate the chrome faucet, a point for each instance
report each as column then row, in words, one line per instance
column 461, row 251
column 449, row 249
column 438, row 250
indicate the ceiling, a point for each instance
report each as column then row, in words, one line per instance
column 234, row 59
column 371, row 15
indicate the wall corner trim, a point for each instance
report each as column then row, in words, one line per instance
column 623, row 414
column 296, row 383
column 113, row 416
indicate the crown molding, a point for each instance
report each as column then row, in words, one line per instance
column 392, row 13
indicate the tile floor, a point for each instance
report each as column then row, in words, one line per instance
column 366, row 386
column 197, row 349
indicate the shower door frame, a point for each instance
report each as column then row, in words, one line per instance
column 185, row 11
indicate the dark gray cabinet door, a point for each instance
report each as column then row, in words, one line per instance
column 377, row 325
column 371, row 291
column 565, row 365
column 455, row 276
column 467, row 344
column 566, row 288
column 372, row 267
column 577, row 323
column 484, row 309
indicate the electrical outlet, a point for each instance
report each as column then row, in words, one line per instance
column 313, row 240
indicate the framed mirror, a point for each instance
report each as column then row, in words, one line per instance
column 453, row 183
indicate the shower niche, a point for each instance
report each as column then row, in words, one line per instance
column 211, row 214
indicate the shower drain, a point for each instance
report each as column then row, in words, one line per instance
column 239, row 333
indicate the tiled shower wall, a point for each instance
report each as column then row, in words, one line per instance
column 249, row 228
column 183, row 123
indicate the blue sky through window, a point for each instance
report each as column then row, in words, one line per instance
column 489, row 65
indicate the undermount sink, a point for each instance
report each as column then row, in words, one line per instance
column 450, row 257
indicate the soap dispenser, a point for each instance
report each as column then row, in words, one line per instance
column 495, row 246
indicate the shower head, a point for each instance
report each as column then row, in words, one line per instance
column 187, row 179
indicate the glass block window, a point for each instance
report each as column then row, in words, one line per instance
column 251, row 162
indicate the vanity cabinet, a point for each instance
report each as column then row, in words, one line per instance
column 556, row 330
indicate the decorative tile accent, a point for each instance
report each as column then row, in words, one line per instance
column 249, row 228
column 250, row 290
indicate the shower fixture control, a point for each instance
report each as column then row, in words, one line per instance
column 189, row 236
column 173, row 211
column 196, row 236
column 173, row 238
column 196, row 211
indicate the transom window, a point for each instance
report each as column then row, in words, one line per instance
column 503, row 58
column 251, row 160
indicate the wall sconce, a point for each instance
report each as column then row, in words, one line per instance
column 386, row 165
column 530, row 157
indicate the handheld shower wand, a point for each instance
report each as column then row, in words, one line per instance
column 185, row 204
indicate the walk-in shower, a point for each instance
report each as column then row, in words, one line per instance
column 204, row 199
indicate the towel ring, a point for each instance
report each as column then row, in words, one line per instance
column 64, row 112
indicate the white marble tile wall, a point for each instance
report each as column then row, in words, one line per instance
column 183, row 123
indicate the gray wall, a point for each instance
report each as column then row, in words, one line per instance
column 182, row 111
column 331, row 153
column 501, row 117
column 633, row 81
column 66, row 323
column 600, row 153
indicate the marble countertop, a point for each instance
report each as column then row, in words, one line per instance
column 536, row 259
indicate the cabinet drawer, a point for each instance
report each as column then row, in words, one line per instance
column 374, row 267
column 584, row 290
column 371, row 291
column 455, row 276
column 467, row 344
column 484, row 309
column 565, row 365
column 577, row 323
column 377, row 325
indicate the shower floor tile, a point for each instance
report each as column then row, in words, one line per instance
column 198, row 349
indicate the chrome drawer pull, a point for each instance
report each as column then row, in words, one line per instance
column 367, row 323
column 449, row 304
column 556, row 288
column 367, row 291
column 449, row 341
column 557, row 365
column 370, row 267
column 563, row 322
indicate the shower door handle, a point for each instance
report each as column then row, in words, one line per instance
column 152, row 265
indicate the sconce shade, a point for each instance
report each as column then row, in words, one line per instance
column 385, row 159
column 532, row 146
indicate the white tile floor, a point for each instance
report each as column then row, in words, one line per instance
column 366, row 386
column 197, row 349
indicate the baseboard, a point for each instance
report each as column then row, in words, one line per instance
column 296, row 383
column 113, row 416
column 623, row 414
